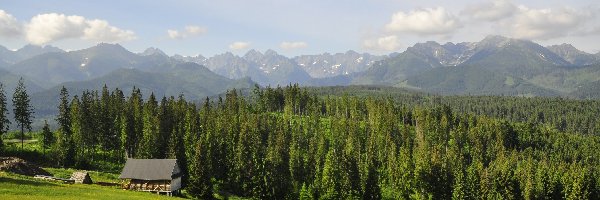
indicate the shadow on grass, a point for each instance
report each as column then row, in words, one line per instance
column 24, row 182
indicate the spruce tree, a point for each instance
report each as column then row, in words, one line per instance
column 22, row 110
column 64, row 143
column 4, row 122
column 47, row 136
column 200, row 185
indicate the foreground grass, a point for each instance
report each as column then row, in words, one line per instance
column 22, row 188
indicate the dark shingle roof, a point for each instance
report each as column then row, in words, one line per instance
column 150, row 169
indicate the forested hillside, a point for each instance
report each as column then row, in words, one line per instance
column 294, row 143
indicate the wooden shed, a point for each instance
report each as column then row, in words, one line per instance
column 152, row 175
column 81, row 177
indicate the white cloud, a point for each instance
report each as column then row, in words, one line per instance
column 239, row 45
column 9, row 26
column 387, row 43
column 293, row 45
column 100, row 30
column 491, row 11
column 45, row 28
column 548, row 23
column 534, row 23
column 189, row 31
column 429, row 21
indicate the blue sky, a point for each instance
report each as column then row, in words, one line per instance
column 293, row 27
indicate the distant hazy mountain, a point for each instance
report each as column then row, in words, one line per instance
column 10, row 57
column 521, row 58
column 495, row 65
column 153, row 51
column 3, row 64
column 199, row 59
column 449, row 54
column 10, row 81
column 53, row 68
column 190, row 79
column 330, row 65
column 272, row 68
column 269, row 68
column 279, row 69
column 234, row 67
column 574, row 56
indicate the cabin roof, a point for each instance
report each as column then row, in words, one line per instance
column 150, row 169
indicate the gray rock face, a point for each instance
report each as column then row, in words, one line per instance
column 573, row 55
column 331, row 65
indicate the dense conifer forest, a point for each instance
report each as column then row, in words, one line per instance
column 342, row 143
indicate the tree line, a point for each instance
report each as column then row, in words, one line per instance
column 288, row 143
column 22, row 110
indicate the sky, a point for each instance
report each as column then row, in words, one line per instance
column 293, row 27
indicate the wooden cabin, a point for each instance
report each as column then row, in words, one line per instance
column 152, row 175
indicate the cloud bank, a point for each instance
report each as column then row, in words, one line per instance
column 500, row 16
column 429, row 21
column 534, row 23
column 293, row 45
column 46, row 28
column 9, row 26
column 386, row 43
column 239, row 45
column 491, row 11
column 187, row 32
column 548, row 23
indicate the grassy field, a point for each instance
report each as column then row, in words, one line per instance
column 19, row 187
column 96, row 176
column 14, row 186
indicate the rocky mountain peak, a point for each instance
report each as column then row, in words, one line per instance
column 495, row 41
column 153, row 51
column 573, row 55
column 271, row 52
column 253, row 55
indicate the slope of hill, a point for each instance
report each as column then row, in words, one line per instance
column 10, row 81
column 587, row 91
column 395, row 69
column 190, row 79
column 474, row 80
column 520, row 58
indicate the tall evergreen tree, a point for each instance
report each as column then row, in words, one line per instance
column 64, row 145
column 47, row 136
column 78, row 137
column 22, row 109
column 4, row 122
column 330, row 182
column 105, row 119
column 200, row 185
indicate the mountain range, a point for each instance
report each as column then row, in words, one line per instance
column 495, row 65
